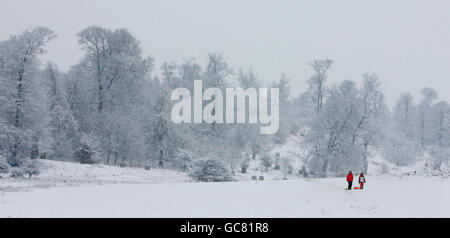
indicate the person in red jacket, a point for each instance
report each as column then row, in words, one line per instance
column 350, row 180
column 361, row 180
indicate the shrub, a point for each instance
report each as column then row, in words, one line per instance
column 184, row 158
column 439, row 156
column 14, row 161
column 17, row 173
column 87, row 150
column 83, row 154
column 4, row 167
column 34, row 151
column 303, row 171
column 266, row 161
column 210, row 171
column 31, row 168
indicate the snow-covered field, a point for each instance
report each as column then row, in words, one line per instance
column 384, row 196
column 56, row 173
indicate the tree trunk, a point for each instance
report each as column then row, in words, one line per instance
column 19, row 100
column 116, row 156
column 324, row 167
column 100, row 97
column 108, row 155
column 422, row 128
column 365, row 162
column 319, row 96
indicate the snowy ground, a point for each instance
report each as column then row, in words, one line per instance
column 55, row 173
column 387, row 196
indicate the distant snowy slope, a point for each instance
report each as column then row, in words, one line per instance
column 423, row 167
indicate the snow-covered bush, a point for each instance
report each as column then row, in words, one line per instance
column 30, row 167
column 245, row 163
column 266, row 161
column 184, row 159
column 4, row 167
column 17, row 173
column 440, row 156
column 303, row 171
column 87, row 151
column 14, row 161
column 210, row 170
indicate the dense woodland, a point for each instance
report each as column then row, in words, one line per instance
column 113, row 108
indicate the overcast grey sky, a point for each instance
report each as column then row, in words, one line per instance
column 407, row 42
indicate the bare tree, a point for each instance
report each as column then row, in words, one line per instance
column 428, row 96
column 318, row 79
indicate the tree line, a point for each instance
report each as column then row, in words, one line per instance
column 113, row 108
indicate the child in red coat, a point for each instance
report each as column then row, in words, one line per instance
column 361, row 180
column 350, row 180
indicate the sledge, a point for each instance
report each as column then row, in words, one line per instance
column 354, row 188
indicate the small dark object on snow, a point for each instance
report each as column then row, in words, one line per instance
column 261, row 178
column 147, row 167
column 123, row 165
column 303, row 171
column 43, row 156
column 243, row 170
column 254, row 177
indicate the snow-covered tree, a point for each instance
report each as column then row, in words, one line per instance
column 372, row 117
column 217, row 71
column 112, row 75
column 87, row 150
column 405, row 116
column 440, row 124
column 428, row 97
column 21, row 92
column 340, row 134
column 112, row 108
column 62, row 126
